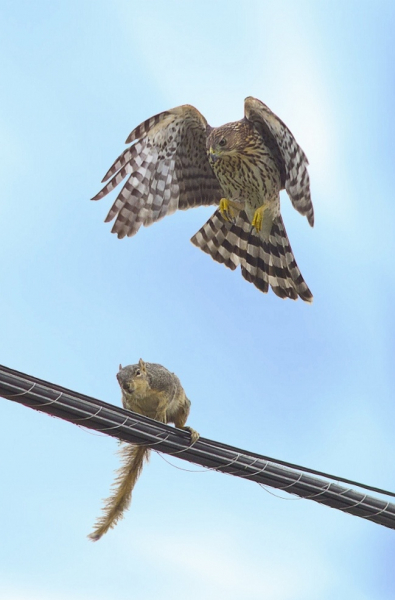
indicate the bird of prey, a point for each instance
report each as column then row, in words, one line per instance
column 177, row 161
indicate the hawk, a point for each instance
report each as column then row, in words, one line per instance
column 177, row 161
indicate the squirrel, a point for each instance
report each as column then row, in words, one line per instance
column 151, row 390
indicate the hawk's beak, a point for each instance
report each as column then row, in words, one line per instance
column 212, row 155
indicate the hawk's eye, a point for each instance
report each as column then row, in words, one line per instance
column 222, row 142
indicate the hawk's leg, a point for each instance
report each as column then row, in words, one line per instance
column 229, row 209
column 259, row 217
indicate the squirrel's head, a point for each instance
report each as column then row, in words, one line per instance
column 133, row 379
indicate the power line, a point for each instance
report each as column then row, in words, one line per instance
column 131, row 427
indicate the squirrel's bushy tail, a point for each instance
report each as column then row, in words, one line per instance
column 132, row 464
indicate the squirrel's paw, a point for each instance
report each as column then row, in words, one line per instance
column 194, row 434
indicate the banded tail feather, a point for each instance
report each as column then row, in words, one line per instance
column 264, row 263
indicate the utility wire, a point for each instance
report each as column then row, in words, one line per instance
column 363, row 486
column 131, row 427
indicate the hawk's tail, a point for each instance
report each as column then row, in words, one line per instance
column 270, row 262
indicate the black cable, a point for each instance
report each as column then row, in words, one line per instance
column 130, row 427
column 313, row 471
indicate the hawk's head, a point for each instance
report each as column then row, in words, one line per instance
column 229, row 140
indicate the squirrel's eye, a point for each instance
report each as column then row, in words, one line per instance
column 138, row 372
column 222, row 142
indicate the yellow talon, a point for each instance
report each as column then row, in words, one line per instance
column 226, row 209
column 258, row 217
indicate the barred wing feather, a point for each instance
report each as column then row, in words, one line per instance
column 297, row 181
column 166, row 169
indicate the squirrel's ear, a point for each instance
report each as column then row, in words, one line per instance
column 142, row 364
column 120, row 367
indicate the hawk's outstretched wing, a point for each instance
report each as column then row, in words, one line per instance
column 167, row 169
column 297, row 182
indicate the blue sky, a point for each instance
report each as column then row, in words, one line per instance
column 310, row 384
